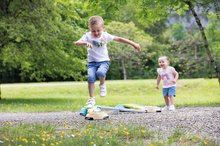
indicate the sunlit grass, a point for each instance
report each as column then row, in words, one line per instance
column 93, row 134
column 71, row 96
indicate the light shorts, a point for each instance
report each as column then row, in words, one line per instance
column 171, row 91
column 97, row 69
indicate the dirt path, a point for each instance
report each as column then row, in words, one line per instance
column 203, row 121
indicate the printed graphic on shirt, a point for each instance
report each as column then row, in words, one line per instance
column 97, row 43
column 165, row 76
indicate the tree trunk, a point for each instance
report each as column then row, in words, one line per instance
column 124, row 69
column 189, row 3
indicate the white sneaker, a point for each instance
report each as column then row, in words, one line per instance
column 166, row 108
column 172, row 108
column 91, row 102
column 103, row 91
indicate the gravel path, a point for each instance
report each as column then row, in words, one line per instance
column 203, row 121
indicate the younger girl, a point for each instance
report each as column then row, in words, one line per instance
column 169, row 76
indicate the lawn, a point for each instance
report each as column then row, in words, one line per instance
column 71, row 96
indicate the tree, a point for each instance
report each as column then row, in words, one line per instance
column 36, row 40
column 156, row 10
column 124, row 54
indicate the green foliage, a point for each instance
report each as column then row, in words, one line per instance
column 178, row 31
column 37, row 41
column 123, row 55
column 213, row 35
column 36, row 38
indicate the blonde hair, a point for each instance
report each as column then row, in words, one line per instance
column 164, row 57
column 95, row 20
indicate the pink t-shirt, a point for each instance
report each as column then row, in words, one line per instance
column 167, row 76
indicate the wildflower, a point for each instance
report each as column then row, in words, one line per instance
column 100, row 137
column 72, row 135
column 151, row 144
column 34, row 142
column 6, row 138
column 43, row 144
column 142, row 131
column 205, row 142
column 24, row 140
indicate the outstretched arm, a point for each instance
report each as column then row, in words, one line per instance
column 82, row 43
column 127, row 41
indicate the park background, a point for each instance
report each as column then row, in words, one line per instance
column 36, row 38
column 41, row 71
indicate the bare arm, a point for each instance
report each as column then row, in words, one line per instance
column 176, row 76
column 158, row 81
column 127, row 41
column 82, row 43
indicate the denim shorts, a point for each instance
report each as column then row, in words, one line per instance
column 171, row 91
column 97, row 69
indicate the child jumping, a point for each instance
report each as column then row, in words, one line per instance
column 98, row 59
column 169, row 76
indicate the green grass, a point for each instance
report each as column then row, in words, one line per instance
column 71, row 96
column 94, row 134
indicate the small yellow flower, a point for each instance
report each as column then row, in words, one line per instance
column 142, row 131
column 6, row 138
column 126, row 133
column 100, row 137
column 24, row 140
column 205, row 142
column 151, row 144
column 43, row 144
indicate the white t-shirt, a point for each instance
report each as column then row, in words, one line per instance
column 167, row 76
column 99, row 51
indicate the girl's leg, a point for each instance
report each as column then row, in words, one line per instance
column 171, row 100
column 167, row 101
